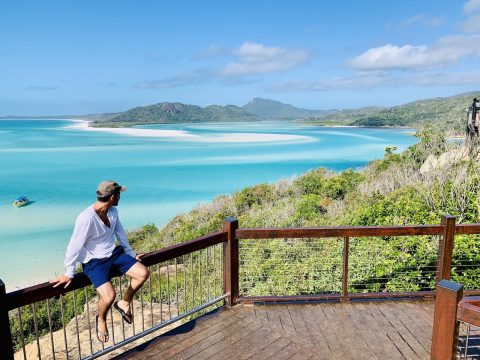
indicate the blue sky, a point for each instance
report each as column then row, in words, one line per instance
column 78, row 57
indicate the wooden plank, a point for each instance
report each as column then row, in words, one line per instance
column 423, row 336
column 207, row 348
column 378, row 341
column 414, row 344
column 391, row 332
column 236, row 342
column 273, row 320
column 256, row 342
column 417, row 308
column 286, row 353
column 209, row 335
column 284, row 316
column 316, row 334
column 271, row 349
column 328, row 331
column 343, row 327
column 353, row 330
column 301, row 327
column 260, row 312
column 184, row 332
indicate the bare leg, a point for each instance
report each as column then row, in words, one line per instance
column 138, row 275
column 107, row 297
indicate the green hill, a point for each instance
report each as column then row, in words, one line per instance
column 167, row 112
column 447, row 112
column 272, row 109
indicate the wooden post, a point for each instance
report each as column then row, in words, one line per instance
column 345, row 269
column 445, row 325
column 230, row 280
column 445, row 251
column 6, row 345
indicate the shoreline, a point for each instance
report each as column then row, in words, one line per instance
column 84, row 125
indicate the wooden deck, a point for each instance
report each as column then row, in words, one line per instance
column 357, row 330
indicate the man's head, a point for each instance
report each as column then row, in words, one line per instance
column 109, row 190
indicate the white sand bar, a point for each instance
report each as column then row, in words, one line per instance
column 185, row 135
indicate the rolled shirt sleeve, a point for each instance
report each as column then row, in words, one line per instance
column 80, row 235
column 121, row 236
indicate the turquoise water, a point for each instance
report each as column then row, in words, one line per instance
column 59, row 167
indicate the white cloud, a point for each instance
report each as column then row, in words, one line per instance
column 471, row 24
column 197, row 76
column 254, row 58
column 421, row 19
column 471, row 6
column 211, row 52
column 371, row 80
column 250, row 59
column 447, row 50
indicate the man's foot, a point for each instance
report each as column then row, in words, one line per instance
column 102, row 331
column 124, row 308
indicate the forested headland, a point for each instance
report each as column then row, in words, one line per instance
column 448, row 113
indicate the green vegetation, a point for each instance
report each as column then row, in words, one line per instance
column 449, row 113
column 391, row 191
column 177, row 113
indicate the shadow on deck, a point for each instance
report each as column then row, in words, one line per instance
column 355, row 330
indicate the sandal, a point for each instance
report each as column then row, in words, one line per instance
column 127, row 317
column 104, row 334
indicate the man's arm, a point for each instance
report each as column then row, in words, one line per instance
column 79, row 237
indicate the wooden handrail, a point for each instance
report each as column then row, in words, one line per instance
column 343, row 231
column 469, row 310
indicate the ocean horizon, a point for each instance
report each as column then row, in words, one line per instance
column 169, row 169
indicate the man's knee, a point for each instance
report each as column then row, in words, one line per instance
column 107, row 294
column 144, row 273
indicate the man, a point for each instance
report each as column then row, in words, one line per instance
column 93, row 244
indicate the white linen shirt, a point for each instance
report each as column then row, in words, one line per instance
column 92, row 239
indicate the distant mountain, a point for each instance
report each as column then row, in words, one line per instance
column 167, row 112
column 448, row 112
column 271, row 109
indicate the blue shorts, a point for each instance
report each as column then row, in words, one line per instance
column 100, row 271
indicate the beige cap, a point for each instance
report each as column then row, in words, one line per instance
column 109, row 187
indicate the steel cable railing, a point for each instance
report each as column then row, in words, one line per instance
column 240, row 265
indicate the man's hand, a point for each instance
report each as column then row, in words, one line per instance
column 139, row 256
column 62, row 279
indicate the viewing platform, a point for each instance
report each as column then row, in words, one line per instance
column 279, row 293
column 355, row 330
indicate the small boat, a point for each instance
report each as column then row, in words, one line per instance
column 20, row 201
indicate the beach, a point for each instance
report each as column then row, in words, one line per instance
column 188, row 136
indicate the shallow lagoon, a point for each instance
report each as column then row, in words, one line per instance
column 58, row 166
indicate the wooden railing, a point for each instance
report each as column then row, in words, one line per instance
column 231, row 236
column 44, row 291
